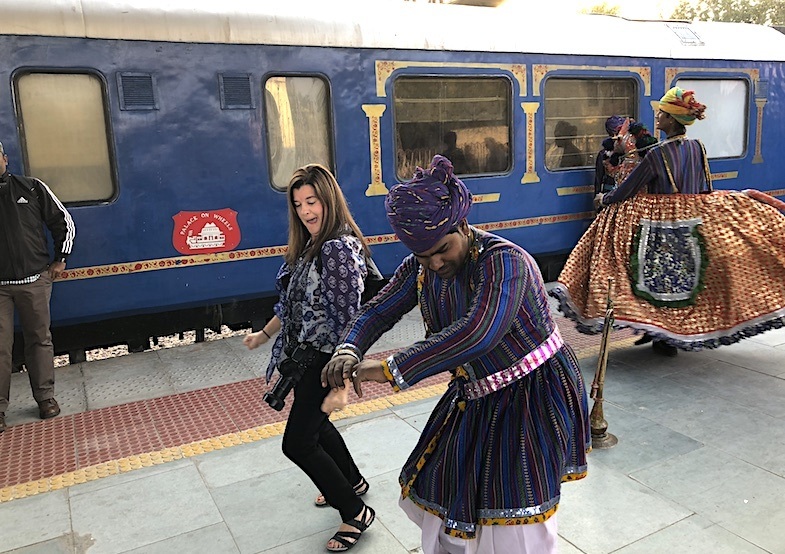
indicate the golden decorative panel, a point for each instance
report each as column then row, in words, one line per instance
column 530, row 108
column 374, row 113
column 539, row 71
column 385, row 68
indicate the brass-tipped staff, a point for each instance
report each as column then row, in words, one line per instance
column 600, row 437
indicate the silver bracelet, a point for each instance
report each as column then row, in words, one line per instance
column 348, row 350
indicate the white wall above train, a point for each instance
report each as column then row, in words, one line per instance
column 390, row 24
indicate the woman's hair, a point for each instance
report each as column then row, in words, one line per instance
column 336, row 218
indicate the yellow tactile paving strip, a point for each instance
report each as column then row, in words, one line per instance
column 131, row 463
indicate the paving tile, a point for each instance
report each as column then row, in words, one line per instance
column 754, row 355
column 198, row 372
column 743, row 432
column 745, row 500
column 692, row 535
column 60, row 545
column 775, row 337
column 188, row 417
column 419, row 408
column 214, row 539
column 243, row 402
column 383, row 497
column 128, row 477
column 739, row 385
column 144, row 511
column 606, row 494
column 21, row 520
column 245, row 504
column 36, row 450
column 245, row 461
column 376, row 540
column 641, row 442
column 127, row 382
column 372, row 448
column 567, row 548
column 115, row 432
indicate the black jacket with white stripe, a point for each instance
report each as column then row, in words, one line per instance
column 26, row 206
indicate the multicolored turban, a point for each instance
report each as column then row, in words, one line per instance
column 422, row 211
column 682, row 106
column 613, row 124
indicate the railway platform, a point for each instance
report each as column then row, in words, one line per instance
column 174, row 451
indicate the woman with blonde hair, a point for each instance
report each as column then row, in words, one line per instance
column 320, row 285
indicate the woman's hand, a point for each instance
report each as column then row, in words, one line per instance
column 367, row 370
column 598, row 205
column 337, row 370
column 255, row 340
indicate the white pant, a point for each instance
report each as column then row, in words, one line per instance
column 535, row 538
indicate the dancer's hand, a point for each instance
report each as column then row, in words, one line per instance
column 367, row 370
column 337, row 370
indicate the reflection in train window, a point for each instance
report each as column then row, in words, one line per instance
column 465, row 119
column 575, row 114
column 723, row 136
column 65, row 139
column 298, row 125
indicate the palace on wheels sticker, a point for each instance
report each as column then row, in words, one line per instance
column 205, row 232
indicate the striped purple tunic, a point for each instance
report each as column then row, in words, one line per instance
column 498, row 459
column 683, row 159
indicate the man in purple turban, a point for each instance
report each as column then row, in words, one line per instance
column 424, row 210
column 487, row 322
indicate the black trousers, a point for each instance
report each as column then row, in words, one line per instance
column 313, row 443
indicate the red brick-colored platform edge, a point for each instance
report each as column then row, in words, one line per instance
column 49, row 455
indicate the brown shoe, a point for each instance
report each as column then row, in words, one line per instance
column 48, row 408
column 2, row 422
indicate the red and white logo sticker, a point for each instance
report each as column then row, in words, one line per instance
column 205, row 232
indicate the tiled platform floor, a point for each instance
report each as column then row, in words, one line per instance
column 46, row 455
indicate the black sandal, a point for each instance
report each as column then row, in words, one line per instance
column 359, row 489
column 348, row 539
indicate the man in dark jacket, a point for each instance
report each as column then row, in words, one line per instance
column 26, row 274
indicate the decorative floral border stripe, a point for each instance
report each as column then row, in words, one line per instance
column 128, row 268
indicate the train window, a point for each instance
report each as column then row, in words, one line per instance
column 725, row 136
column 575, row 114
column 466, row 119
column 65, row 139
column 298, row 125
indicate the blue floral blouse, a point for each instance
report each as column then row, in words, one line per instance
column 314, row 306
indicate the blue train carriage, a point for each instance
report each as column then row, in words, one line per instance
column 170, row 131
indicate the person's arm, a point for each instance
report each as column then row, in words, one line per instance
column 60, row 225
column 265, row 334
column 638, row 179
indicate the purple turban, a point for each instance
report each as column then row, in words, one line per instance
column 422, row 211
column 613, row 124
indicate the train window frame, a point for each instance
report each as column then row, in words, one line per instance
column 711, row 129
column 476, row 151
column 596, row 120
column 108, row 134
column 329, row 131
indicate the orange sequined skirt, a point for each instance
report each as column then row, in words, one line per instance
column 695, row 270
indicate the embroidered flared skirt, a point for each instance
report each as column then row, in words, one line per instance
column 695, row 270
column 500, row 459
